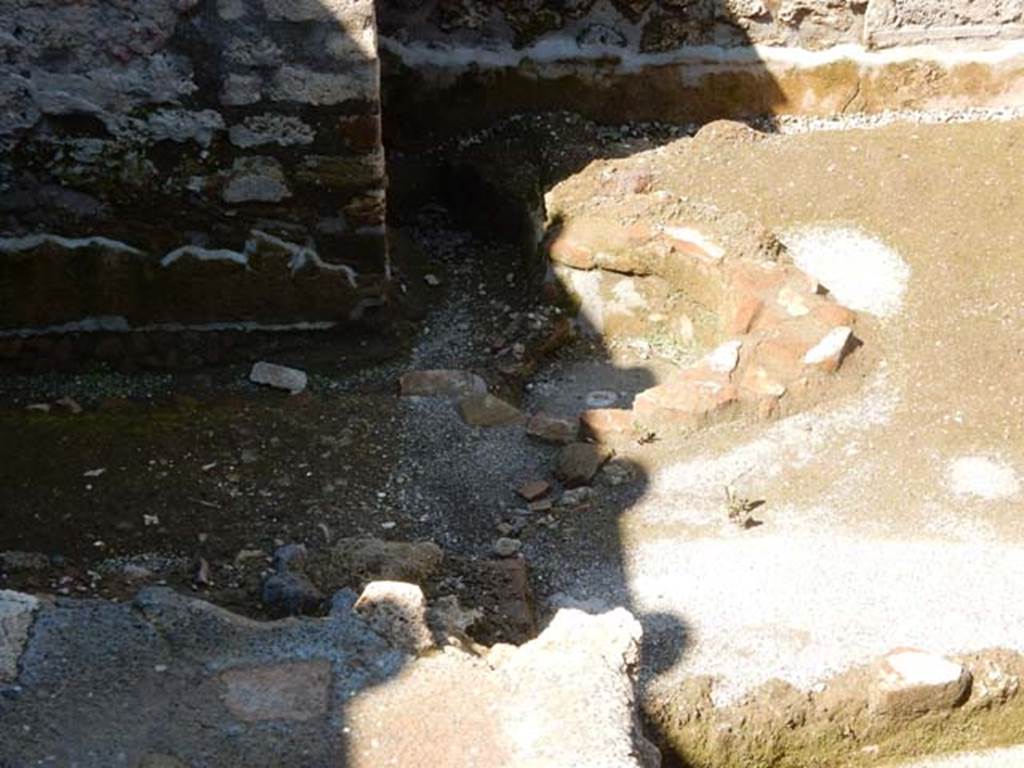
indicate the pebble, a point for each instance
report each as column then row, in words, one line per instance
column 534, row 490
column 602, row 398
column 576, row 497
column 290, row 557
column 553, row 429
column 290, row 594
column 134, row 572
column 249, row 554
column 506, row 547
column 618, row 472
column 202, row 573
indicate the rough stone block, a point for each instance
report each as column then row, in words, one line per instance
column 279, row 376
column 579, row 462
column 909, row 683
column 441, row 383
column 907, row 22
column 261, row 130
column 241, row 90
column 17, row 612
column 397, row 611
column 486, row 410
column 553, row 429
column 607, row 425
column 685, row 404
column 308, row 86
column 256, row 180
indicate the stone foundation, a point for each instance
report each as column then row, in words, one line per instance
column 616, row 62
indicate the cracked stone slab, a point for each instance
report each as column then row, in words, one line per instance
column 288, row 691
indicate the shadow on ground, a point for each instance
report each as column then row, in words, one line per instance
column 215, row 479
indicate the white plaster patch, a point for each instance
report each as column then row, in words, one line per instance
column 555, row 50
column 627, row 296
column 829, row 347
column 920, row 668
column 690, row 235
column 31, row 242
column 301, row 256
column 983, row 478
column 861, row 271
column 203, row 254
column 725, row 357
column 587, row 287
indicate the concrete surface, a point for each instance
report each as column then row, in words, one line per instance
column 172, row 681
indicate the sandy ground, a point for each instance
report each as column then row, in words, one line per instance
column 893, row 511
column 997, row 758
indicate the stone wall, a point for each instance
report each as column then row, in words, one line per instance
column 189, row 162
column 454, row 64
column 218, row 163
column 640, row 25
column 663, row 25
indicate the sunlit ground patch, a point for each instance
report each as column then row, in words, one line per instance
column 861, row 271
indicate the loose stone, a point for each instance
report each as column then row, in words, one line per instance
column 534, row 490
column 576, row 497
column 578, row 463
column 441, row 383
column 396, row 611
column 909, row 683
column 290, row 594
column 279, row 377
column 16, row 614
column 506, row 547
column 487, row 411
column 553, row 429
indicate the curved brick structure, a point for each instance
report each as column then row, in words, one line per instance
column 644, row 262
